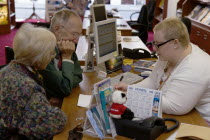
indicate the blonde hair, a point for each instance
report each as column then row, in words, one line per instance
column 62, row 17
column 173, row 28
column 33, row 46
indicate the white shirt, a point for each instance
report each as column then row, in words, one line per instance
column 188, row 85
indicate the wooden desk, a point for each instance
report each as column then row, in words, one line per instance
column 85, row 87
column 82, row 47
column 125, row 31
column 115, row 14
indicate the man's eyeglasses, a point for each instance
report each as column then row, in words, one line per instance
column 158, row 45
column 75, row 34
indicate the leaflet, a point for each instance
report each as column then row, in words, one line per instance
column 144, row 102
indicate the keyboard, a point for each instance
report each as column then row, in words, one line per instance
column 128, row 78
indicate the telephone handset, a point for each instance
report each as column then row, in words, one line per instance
column 146, row 129
column 136, row 53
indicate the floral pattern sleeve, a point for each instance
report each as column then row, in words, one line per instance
column 24, row 107
column 41, row 120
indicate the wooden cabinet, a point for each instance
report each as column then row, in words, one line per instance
column 160, row 11
column 200, row 32
column 7, row 16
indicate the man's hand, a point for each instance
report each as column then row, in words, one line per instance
column 66, row 48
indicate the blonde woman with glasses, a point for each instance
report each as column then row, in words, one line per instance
column 24, row 109
column 181, row 72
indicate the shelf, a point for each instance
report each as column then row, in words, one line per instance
column 159, row 17
column 160, row 8
column 13, row 14
column 4, row 25
column 200, row 24
column 205, row 2
column 12, row 27
column 159, row 20
column 160, row 12
column 200, row 32
column 10, row 14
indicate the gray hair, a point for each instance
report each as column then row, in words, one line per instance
column 32, row 45
column 62, row 17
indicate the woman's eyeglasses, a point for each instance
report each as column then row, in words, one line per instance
column 160, row 44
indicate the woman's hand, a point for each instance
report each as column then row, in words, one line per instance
column 55, row 101
column 121, row 86
column 66, row 48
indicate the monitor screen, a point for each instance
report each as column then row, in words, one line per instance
column 99, row 12
column 99, row 1
column 105, row 40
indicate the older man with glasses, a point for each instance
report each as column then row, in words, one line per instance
column 181, row 72
column 64, row 71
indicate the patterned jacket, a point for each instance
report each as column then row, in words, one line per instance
column 24, row 107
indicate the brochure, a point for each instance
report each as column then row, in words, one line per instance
column 144, row 102
column 97, row 114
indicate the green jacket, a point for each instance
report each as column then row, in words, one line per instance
column 60, row 83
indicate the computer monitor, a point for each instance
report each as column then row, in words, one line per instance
column 105, row 33
column 98, row 12
column 99, row 2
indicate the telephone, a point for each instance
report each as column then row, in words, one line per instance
column 146, row 129
column 136, row 53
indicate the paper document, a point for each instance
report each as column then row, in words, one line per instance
column 194, row 132
column 84, row 100
column 173, row 136
column 144, row 102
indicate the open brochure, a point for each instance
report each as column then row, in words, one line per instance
column 144, row 102
column 97, row 115
column 194, row 132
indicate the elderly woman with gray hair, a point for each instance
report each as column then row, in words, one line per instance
column 24, row 109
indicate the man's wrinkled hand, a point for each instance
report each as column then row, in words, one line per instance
column 66, row 48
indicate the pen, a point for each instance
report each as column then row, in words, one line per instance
column 121, row 78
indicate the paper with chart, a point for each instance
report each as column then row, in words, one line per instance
column 144, row 102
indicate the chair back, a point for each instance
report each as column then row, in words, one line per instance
column 141, row 25
column 187, row 23
column 9, row 54
column 143, row 21
column 151, row 10
column 143, row 15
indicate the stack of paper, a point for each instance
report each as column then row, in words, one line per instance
column 194, row 132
